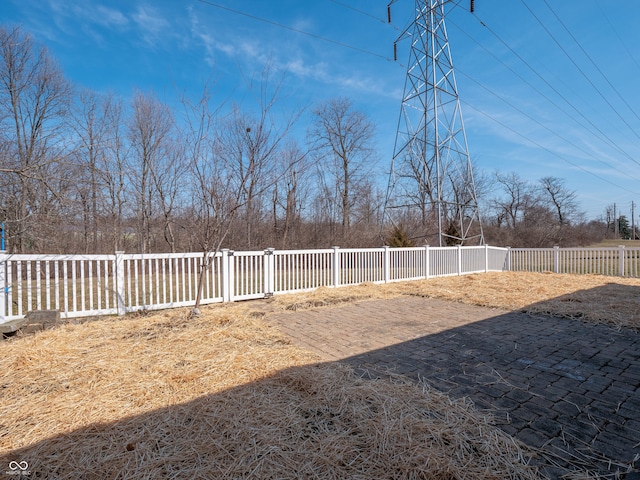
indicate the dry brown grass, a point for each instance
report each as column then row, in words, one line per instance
column 595, row 298
column 225, row 396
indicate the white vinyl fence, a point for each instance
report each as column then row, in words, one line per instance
column 86, row 285
column 615, row 261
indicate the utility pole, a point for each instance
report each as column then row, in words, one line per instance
column 616, row 225
column 633, row 221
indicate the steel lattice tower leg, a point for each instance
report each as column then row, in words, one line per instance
column 431, row 175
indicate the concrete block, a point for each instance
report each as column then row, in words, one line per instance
column 33, row 321
column 12, row 326
column 43, row 316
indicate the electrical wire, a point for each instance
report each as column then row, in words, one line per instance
column 592, row 61
column 631, row 56
column 555, row 154
column 457, row 5
column 586, row 77
column 539, row 145
column 610, row 141
column 551, row 131
column 296, row 30
column 552, row 102
column 362, row 12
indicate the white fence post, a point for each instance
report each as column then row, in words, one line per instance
column 119, row 273
column 269, row 272
column 4, row 282
column 556, row 259
column 227, row 275
column 459, row 260
column 621, row 255
column 508, row 262
column 427, row 262
column 386, row 265
column 486, row 258
column 336, row 266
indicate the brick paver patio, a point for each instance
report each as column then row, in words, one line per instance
column 565, row 387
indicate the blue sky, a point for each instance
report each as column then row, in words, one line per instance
column 547, row 87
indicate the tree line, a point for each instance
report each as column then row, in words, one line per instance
column 85, row 172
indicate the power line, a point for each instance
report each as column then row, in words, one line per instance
column 296, row 30
column 504, row 125
column 591, row 60
column 586, row 152
column 586, row 77
column 362, row 12
column 610, row 141
column 631, row 56
column 457, row 5
column 542, row 94
column 577, row 147
column 556, row 91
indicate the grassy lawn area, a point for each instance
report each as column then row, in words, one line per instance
column 616, row 243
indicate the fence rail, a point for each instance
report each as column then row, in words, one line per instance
column 86, row 285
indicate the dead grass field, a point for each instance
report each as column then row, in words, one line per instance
column 226, row 396
column 594, row 298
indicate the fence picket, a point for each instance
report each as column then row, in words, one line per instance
column 47, row 282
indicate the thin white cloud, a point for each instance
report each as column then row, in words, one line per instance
column 255, row 53
column 304, row 24
column 63, row 21
column 564, row 149
column 151, row 25
column 87, row 14
column 207, row 40
column 299, row 68
column 110, row 17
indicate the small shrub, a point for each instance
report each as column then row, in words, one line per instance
column 398, row 238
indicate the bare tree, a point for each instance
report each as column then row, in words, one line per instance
column 89, row 123
column 218, row 192
column 113, row 172
column 538, row 215
column 168, row 181
column 245, row 146
column 34, row 99
column 149, row 131
column 289, row 191
column 252, row 142
column 462, row 212
column 99, row 171
column 342, row 139
column 561, row 200
column 366, row 215
column 415, row 170
column 518, row 196
column 233, row 164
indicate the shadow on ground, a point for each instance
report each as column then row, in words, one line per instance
column 613, row 303
column 313, row 421
column 565, row 387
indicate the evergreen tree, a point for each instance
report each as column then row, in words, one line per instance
column 624, row 229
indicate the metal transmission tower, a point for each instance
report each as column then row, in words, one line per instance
column 431, row 178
